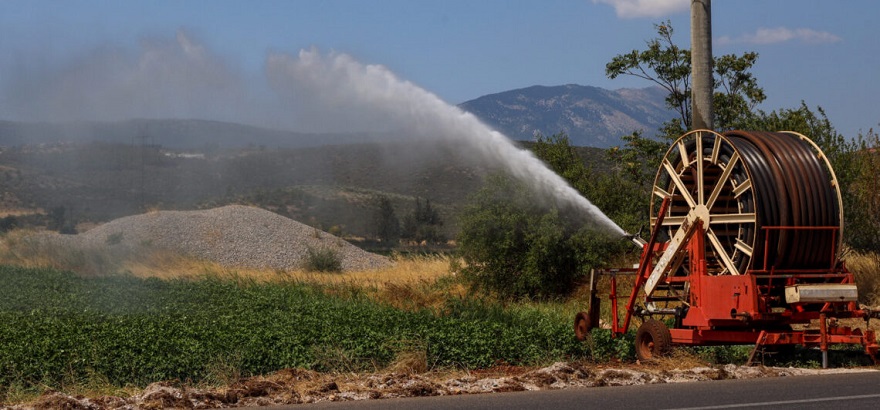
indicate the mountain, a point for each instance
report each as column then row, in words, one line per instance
column 591, row 116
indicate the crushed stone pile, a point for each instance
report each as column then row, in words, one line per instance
column 232, row 236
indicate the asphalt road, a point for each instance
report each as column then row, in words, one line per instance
column 848, row 391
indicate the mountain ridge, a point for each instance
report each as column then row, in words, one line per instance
column 591, row 116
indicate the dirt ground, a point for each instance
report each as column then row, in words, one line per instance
column 295, row 386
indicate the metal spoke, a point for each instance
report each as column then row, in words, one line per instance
column 682, row 150
column 743, row 218
column 699, row 165
column 673, row 220
column 741, row 188
column 660, row 192
column 743, row 247
column 721, row 252
column 716, row 150
column 679, row 184
column 722, row 181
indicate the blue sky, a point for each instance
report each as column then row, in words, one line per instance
column 826, row 53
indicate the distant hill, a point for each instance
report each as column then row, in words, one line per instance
column 170, row 133
column 591, row 116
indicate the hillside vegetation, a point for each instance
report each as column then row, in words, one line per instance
column 325, row 187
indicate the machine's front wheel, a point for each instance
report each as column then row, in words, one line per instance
column 652, row 340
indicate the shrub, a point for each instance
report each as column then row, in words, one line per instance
column 323, row 260
column 514, row 246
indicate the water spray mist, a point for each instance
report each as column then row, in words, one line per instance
column 340, row 81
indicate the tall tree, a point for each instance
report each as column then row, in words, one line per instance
column 385, row 221
column 423, row 224
column 736, row 92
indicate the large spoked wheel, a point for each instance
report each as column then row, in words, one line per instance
column 704, row 174
column 652, row 340
column 743, row 186
column 582, row 326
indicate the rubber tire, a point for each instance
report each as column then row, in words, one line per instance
column 582, row 326
column 653, row 340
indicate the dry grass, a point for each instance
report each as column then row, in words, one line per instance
column 404, row 271
column 20, row 249
column 866, row 269
column 19, row 212
column 678, row 359
column 409, row 283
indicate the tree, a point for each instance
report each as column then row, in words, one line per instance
column 664, row 63
column 515, row 246
column 615, row 193
column 423, row 224
column 735, row 100
column 669, row 66
column 385, row 221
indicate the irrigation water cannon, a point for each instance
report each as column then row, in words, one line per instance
column 744, row 248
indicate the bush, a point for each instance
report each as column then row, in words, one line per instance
column 513, row 246
column 323, row 260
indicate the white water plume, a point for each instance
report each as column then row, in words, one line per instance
column 379, row 96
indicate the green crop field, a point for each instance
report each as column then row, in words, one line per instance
column 57, row 328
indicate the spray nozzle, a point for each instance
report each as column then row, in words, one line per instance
column 636, row 238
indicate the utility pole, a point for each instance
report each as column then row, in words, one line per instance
column 701, row 64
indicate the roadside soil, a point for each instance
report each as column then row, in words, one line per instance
column 297, row 386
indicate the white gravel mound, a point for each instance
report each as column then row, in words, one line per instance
column 233, row 236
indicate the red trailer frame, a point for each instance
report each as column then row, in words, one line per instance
column 732, row 309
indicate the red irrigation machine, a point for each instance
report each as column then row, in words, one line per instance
column 744, row 248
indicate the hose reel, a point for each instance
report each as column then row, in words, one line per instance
column 746, row 184
column 746, row 226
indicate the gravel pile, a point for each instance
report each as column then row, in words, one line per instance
column 233, row 236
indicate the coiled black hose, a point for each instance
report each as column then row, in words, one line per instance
column 792, row 188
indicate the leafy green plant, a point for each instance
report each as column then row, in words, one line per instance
column 723, row 354
column 59, row 329
column 603, row 347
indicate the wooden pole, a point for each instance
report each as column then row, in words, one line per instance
column 701, row 64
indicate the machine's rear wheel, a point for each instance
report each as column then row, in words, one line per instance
column 582, row 326
column 652, row 340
